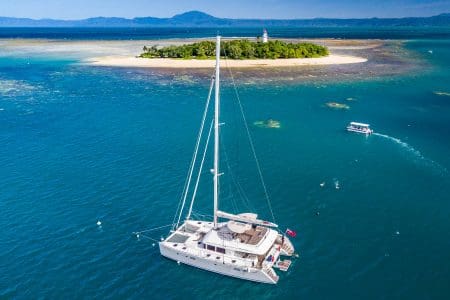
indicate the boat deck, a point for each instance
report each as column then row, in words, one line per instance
column 252, row 236
column 283, row 265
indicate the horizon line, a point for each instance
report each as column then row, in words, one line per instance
column 229, row 18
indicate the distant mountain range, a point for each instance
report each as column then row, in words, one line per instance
column 200, row 19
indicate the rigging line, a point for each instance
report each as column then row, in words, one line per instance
column 251, row 142
column 233, row 177
column 200, row 170
column 194, row 214
column 147, row 237
column 244, row 196
column 197, row 216
column 194, row 158
column 152, row 229
column 230, row 193
column 202, row 215
column 239, row 188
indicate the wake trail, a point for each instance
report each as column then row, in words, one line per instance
column 416, row 153
column 402, row 144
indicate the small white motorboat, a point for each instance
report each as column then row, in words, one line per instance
column 359, row 127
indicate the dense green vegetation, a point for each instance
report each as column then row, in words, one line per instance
column 238, row 49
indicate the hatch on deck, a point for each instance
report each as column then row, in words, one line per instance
column 177, row 238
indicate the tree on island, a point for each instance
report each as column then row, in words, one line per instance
column 238, row 49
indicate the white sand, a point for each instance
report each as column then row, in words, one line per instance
column 122, row 53
column 128, row 61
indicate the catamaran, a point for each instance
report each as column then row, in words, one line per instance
column 237, row 245
column 359, row 128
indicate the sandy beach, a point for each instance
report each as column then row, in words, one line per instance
column 136, row 62
column 347, row 59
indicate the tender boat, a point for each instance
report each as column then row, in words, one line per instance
column 238, row 245
column 359, row 127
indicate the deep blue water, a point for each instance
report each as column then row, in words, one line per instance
column 391, row 32
column 81, row 144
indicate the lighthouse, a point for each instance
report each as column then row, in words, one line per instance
column 265, row 37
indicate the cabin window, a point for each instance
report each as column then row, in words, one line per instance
column 217, row 257
column 184, row 248
column 209, row 247
column 220, row 250
column 233, row 261
column 208, row 255
column 175, row 245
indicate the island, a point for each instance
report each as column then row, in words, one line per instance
column 267, row 124
column 129, row 54
column 336, row 105
column 238, row 49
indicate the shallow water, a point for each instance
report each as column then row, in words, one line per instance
column 82, row 144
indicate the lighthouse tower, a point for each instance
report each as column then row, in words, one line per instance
column 265, row 37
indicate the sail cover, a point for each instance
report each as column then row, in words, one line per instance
column 238, row 227
column 249, row 218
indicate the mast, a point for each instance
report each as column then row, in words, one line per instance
column 216, row 131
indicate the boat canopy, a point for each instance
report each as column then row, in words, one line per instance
column 248, row 218
column 359, row 124
column 223, row 238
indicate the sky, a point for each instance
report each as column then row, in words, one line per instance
column 275, row 9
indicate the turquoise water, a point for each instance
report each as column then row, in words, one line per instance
column 81, row 144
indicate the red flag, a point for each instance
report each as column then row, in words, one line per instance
column 291, row 232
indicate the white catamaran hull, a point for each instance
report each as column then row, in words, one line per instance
column 369, row 131
column 251, row 274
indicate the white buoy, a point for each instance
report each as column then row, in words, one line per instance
column 322, row 184
column 397, row 232
column 99, row 223
column 138, row 235
column 336, row 183
column 153, row 244
column 430, row 51
column 178, row 262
